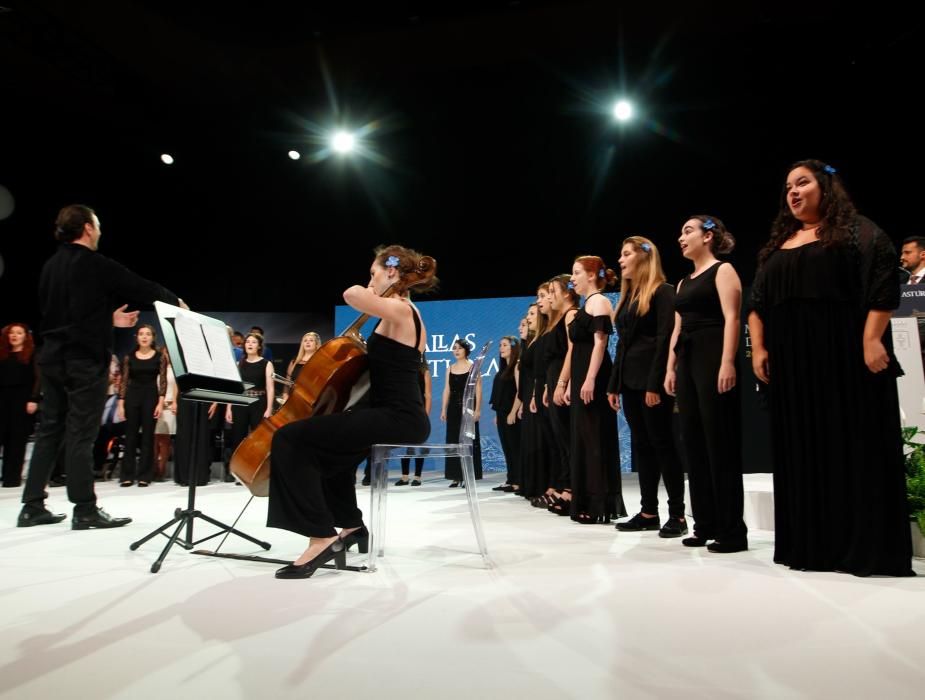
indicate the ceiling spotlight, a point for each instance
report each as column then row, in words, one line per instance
column 166, row 159
column 343, row 142
column 295, row 155
column 623, row 111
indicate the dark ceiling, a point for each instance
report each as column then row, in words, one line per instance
column 495, row 153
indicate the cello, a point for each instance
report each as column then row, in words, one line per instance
column 333, row 379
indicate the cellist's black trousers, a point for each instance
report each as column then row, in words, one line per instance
column 313, row 465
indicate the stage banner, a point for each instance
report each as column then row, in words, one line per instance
column 475, row 320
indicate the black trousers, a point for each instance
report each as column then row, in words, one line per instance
column 15, row 428
column 653, row 451
column 139, row 413
column 74, row 393
column 245, row 419
column 314, row 461
column 711, row 436
column 418, row 464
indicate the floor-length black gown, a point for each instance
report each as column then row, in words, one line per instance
column 556, row 349
column 839, row 486
column 454, row 409
column 595, row 453
column 534, row 457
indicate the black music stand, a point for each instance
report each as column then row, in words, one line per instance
column 204, row 366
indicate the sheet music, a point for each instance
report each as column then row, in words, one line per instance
column 193, row 343
column 223, row 364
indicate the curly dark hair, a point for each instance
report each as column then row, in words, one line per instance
column 722, row 242
column 415, row 270
column 835, row 207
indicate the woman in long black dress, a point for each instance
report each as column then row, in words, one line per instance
column 597, row 493
column 826, row 284
column 18, row 398
column 503, row 402
column 645, row 321
column 702, row 367
column 313, row 460
column 564, row 305
column 539, row 485
column 533, row 457
column 457, row 376
column 515, row 469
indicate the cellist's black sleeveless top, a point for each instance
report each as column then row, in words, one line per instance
column 394, row 378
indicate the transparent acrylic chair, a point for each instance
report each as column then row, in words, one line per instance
column 381, row 455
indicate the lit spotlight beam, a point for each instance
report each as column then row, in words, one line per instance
column 319, row 139
column 623, row 110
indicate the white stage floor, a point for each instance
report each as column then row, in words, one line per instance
column 569, row 611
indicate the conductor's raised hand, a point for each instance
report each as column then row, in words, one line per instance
column 124, row 319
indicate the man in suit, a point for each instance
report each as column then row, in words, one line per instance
column 912, row 259
column 78, row 291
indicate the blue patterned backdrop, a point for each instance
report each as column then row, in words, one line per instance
column 476, row 320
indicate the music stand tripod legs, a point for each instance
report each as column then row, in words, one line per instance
column 186, row 517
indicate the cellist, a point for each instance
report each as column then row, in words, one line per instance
column 312, row 488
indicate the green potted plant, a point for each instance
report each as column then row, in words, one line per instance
column 915, row 486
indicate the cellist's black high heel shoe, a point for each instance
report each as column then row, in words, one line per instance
column 360, row 538
column 334, row 551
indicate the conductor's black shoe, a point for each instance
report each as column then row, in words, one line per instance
column 365, row 481
column 30, row 516
column 98, row 519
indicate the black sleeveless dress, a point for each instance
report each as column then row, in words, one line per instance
column 314, row 460
column 454, row 408
column 595, row 453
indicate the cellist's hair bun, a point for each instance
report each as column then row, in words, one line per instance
column 416, row 271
